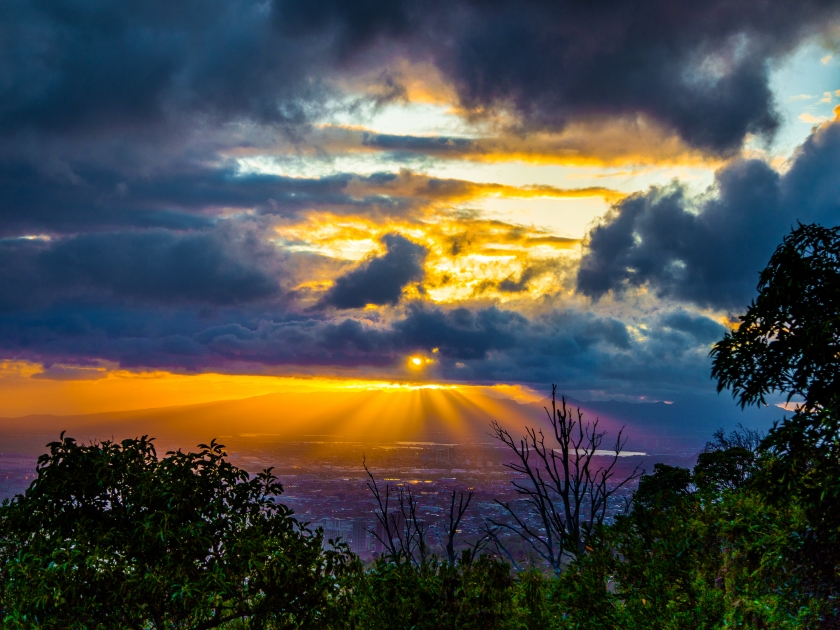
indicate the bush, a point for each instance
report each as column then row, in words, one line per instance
column 110, row 536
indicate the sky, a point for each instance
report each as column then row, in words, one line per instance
column 227, row 198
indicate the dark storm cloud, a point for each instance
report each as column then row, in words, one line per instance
column 351, row 26
column 39, row 202
column 579, row 350
column 701, row 69
column 183, row 197
column 703, row 329
column 181, row 338
column 379, row 280
column 460, row 333
column 709, row 250
column 584, row 351
column 698, row 68
column 149, row 267
column 94, row 67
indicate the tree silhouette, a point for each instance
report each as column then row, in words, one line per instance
column 565, row 490
column 789, row 342
column 789, row 339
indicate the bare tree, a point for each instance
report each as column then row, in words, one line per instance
column 404, row 536
column 454, row 521
column 565, row 490
column 402, row 533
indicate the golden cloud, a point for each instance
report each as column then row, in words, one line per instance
column 468, row 257
column 408, row 184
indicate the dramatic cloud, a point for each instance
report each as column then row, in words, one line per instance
column 146, row 267
column 185, row 196
column 379, row 280
column 97, row 66
column 710, row 250
column 607, row 142
column 580, row 351
column 460, row 333
column 188, row 196
column 330, row 187
column 699, row 68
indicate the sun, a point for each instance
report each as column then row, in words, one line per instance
column 417, row 362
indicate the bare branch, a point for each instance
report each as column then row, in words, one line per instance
column 382, row 513
column 566, row 491
column 455, row 516
column 403, row 533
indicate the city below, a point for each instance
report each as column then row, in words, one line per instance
column 431, row 441
column 325, row 482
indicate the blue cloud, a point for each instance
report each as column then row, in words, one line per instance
column 710, row 250
column 379, row 280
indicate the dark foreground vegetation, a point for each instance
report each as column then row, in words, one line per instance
column 113, row 536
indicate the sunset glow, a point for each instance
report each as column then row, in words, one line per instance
column 342, row 209
column 26, row 388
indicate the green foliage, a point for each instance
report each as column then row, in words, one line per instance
column 472, row 594
column 692, row 556
column 664, row 489
column 802, row 468
column 667, row 552
column 584, row 597
column 729, row 469
column 789, row 341
column 706, row 548
column 110, row 536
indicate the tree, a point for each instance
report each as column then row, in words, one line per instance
column 403, row 535
column 665, row 555
column 789, row 342
column 789, row 339
column 565, row 490
column 728, row 461
column 456, row 513
column 110, row 536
